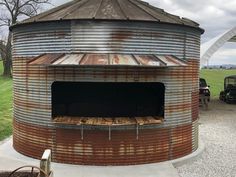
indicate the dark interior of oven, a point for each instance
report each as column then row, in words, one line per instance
column 102, row 99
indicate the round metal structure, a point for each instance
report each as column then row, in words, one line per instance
column 106, row 42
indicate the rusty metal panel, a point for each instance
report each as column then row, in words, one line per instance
column 32, row 108
column 123, row 60
column 96, row 147
column 32, row 88
column 106, row 60
column 148, row 60
column 93, row 59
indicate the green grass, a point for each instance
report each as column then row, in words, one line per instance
column 215, row 78
column 5, row 105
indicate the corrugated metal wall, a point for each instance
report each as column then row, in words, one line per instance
column 33, row 124
column 103, row 37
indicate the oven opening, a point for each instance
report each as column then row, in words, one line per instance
column 83, row 100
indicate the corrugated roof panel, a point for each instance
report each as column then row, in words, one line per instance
column 87, row 10
column 60, row 60
column 132, row 11
column 94, row 59
column 110, row 10
column 61, row 14
column 122, row 60
column 106, row 60
column 46, row 59
column 171, row 61
column 148, row 60
column 71, row 59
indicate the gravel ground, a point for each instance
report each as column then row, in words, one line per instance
column 218, row 133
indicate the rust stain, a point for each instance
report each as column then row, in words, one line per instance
column 93, row 147
column 121, row 35
column 97, row 149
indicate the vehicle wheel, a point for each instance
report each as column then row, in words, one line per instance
column 227, row 101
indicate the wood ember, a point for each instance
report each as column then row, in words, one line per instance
column 108, row 121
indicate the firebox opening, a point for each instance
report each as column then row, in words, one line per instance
column 107, row 100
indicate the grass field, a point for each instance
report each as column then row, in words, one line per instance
column 215, row 78
column 5, row 106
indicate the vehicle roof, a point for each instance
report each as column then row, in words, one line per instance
column 231, row 77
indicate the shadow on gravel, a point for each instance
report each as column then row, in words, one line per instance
column 19, row 174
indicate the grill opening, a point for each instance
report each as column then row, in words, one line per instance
column 107, row 100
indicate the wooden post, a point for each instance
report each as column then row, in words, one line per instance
column 45, row 163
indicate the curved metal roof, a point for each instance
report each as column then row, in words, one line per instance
column 133, row 10
column 209, row 48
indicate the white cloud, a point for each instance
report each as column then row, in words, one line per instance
column 215, row 16
column 226, row 55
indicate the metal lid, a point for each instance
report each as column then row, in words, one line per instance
column 123, row 10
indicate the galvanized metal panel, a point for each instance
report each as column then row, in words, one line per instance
column 107, row 37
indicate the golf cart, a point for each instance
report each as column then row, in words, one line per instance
column 229, row 93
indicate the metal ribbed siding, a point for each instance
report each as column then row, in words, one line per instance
column 32, row 96
column 122, row 149
column 33, row 127
column 103, row 37
column 32, row 112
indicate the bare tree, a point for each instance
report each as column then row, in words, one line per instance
column 2, row 49
column 12, row 11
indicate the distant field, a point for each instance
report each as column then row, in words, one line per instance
column 5, row 106
column 215, row 78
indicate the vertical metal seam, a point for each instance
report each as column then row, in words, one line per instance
column 131, row 1
column 109, row 133
column 75, row 7
column 96, row 11
column 121, row 9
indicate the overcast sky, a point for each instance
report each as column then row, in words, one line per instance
column 215, row 16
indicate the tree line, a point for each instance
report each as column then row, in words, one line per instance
column 11, row 12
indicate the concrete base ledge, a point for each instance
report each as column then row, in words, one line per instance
column 10, row 160
column 191, row 157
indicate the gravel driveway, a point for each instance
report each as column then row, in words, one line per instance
column 218, row 133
